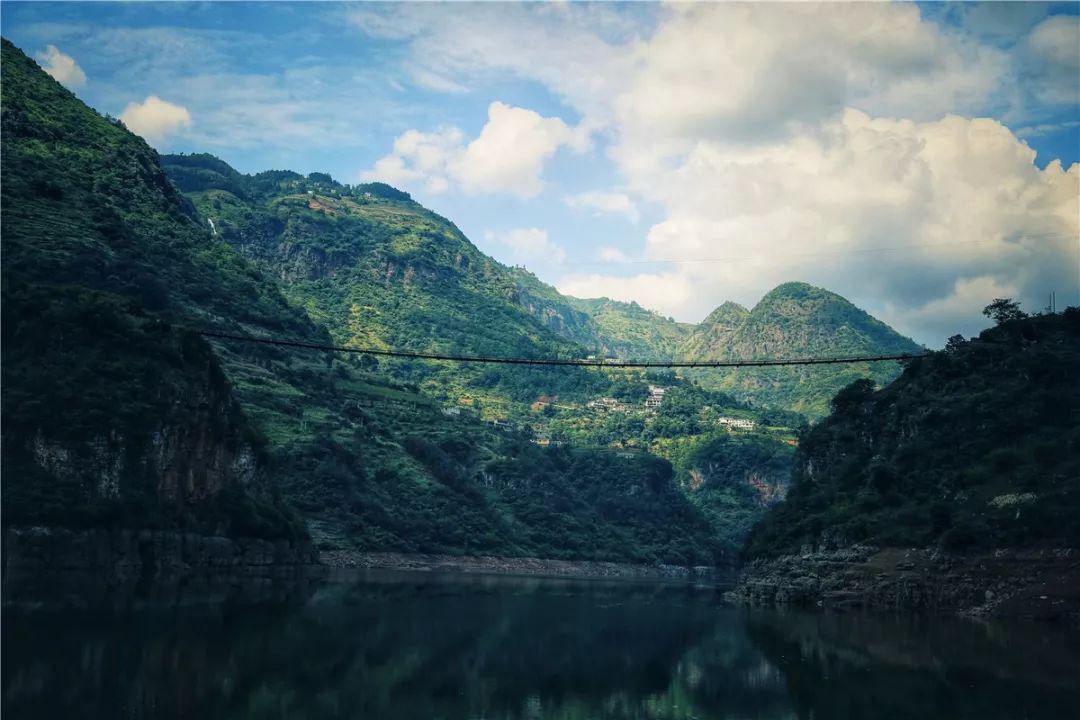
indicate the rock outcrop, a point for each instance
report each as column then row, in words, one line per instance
column 1041, row 584
column 54, row 567
column 591, row 569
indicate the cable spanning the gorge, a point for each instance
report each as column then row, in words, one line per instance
column 762, row 362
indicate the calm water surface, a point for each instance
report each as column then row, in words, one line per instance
column 401, row 646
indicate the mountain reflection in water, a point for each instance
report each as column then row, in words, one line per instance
column 401, row 646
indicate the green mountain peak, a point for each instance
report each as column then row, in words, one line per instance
column 792, row 320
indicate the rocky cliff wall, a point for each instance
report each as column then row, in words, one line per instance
column 54, row 567
column 1005, row 583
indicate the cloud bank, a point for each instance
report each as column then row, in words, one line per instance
column 155, row 119
column 847, row 145
column 508, row 156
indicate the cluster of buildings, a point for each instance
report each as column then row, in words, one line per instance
column 656, row 397
column 606, row 403
column 736, row 423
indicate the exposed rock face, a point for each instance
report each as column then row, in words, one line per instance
column 1034, row 583
column 195, row 445
column 118, row 568
column 527, row 566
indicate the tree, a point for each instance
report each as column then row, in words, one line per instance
column 853, row 395
column 954, row 342
column 1003, row 310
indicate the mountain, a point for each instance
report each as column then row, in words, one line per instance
column 974, row 447
column 794, row 320
column 114, row 412
column 714, row 334
column 117, row 413
column 955, row 488
column 382, row 271
column 627, row 330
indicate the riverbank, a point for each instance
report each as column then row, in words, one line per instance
column 47, row 567
column 1043, row 584
column 585, row 569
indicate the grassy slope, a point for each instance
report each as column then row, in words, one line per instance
column 974, row 447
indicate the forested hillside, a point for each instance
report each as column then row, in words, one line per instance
column 114, row 413
column 973, row 447
column 381, row 271
column 110, row 272
column 795, row 320
column 118, row 414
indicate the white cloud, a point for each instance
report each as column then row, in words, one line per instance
column 578, row 51
column 507, row 157
column 957, row 312
column 1052, row 70
column 155, row 119
column 1043, row 129
column 845, row 145
column 757, row 73
column 668, row 293
column 529, row 246
column 420, row 158
column 63, row 68
column 611, row 254
column 615, row 203
column 432, row 80
column 892, row 213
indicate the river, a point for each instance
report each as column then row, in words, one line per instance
column 399, row 646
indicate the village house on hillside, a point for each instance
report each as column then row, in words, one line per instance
column 545, row 441
column 605, row 403
column 736, row 423
column 656, row 397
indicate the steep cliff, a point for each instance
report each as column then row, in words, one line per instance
column 114, row 414
column 970, row 458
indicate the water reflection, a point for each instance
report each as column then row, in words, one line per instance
column 467, row 647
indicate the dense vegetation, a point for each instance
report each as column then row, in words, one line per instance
column 117, row 413
column 976, row 446
column 105, row 396
column 381, row 271
column 795, row 320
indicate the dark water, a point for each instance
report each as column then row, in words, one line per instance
column 415, row 646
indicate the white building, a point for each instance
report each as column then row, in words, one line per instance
column 736, row 423
column 656, row 397
column 605, row 403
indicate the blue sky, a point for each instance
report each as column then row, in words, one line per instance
column 918, row 159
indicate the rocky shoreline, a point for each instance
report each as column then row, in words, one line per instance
column 584, row 569
column 1043, row 584
column 46, row 567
